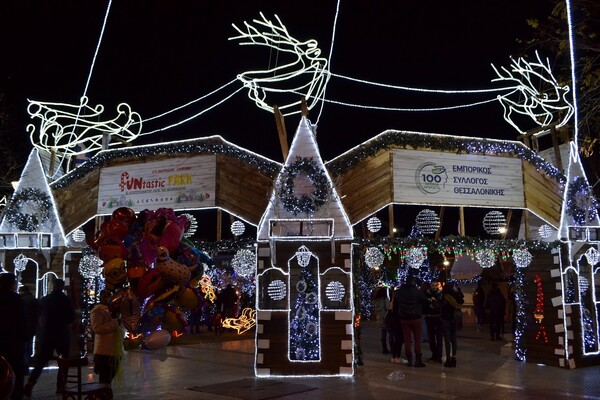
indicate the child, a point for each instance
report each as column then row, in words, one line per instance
column 217, row 323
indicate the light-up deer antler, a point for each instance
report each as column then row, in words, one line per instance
column 69, row 130
column 305, row 74
column 536, row 94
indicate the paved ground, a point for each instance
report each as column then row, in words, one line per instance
column 485, row 370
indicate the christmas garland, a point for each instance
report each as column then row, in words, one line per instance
column 28, row 222
column 305, row 203
column 579, row 191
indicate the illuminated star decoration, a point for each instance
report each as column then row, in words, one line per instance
column 536, row 94
column 306, row 74
column 68, row 130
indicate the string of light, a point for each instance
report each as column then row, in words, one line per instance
column 328, row 76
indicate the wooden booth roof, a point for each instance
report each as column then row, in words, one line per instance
column 364, row 175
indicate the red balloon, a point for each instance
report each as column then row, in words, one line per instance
column 124, row 215
column 114, row 228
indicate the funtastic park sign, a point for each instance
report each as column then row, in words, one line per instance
column 427, row 177
column 178, row 183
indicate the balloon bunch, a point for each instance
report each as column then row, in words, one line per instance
column 152, row 272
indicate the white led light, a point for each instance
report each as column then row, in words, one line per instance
column 68, row 130
column 545, row 231
column 493, row 222
column 335, row 291
column 277, row 290
column 244, row 262
column 78, row 235
column 373, row 257
column 20, row 262
column 526, row 99
column 485, row 258
column 189, row 232
column 305, row 74
column 592, row 255
column 90, row 266
column 303, row 256
column 584, row 284
column 238, row 228
column 427, row 221
column 374, row 224
column 416, row 257
column 522, row 258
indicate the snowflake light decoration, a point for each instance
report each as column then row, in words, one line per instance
column 244, row 262
column 416, row 257
column 90, row 265
column 373, row 257
column 522, row 258
column 335, row 291
column 277, row 290
column 485, row 258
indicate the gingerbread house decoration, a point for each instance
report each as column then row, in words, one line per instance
column 304, row 286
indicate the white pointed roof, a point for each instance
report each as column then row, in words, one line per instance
column 574, row 170
column 304, row 145
column 33, row 177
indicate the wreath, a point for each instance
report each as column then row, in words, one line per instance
column 23, row 200
column 581, row 203
column 306, row 203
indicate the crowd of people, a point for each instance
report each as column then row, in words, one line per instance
column 409, row 315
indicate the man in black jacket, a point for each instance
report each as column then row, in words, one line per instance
column 409, row 301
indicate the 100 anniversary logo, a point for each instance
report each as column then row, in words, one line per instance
column 430, row 177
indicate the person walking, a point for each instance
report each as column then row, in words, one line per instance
column 56, row 315
column 451, row 305
column 433, row 321
column 478, row 305
column 108, row 339
column 381, row 303
column 13, row 331
column 496, row 305
column 32, row 312
column 409, row 301
column 394, row 324
column 229, row 297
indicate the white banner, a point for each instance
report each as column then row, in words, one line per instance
column 178, row 183
column 428, row 177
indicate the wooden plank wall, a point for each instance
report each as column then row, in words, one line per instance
column 367, row 186
column 537, row 351
column 543, row 196
column 242, row 189
column 78, row 202
column 272, row 326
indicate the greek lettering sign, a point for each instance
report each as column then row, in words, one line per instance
column 427, row 177
column 178, row 183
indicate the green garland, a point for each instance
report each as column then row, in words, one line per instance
column 305, row 203
column 28, row 222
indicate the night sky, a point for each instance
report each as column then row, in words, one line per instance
column 158, row 55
